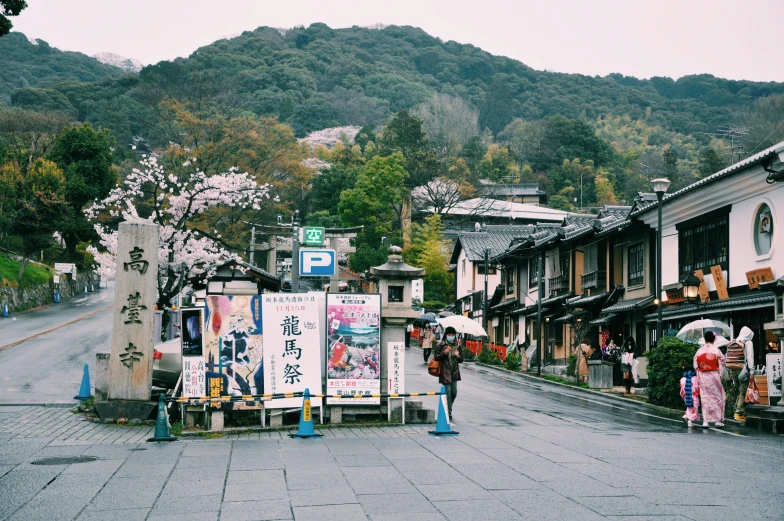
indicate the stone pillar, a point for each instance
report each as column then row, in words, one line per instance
column 136, row 292
column 101, row 376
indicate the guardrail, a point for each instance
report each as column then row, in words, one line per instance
column 268, row 397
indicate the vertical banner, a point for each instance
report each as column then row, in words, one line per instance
column 292, row 347
column 773, row 370
column 193, row 352
column 353, row 347
column 396, row 367
column 233, row 347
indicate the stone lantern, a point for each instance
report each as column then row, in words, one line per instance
column 395, row 280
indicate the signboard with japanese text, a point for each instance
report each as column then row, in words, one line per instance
column 718, row 280
column 353, row 347
column 313, row 236
column 773, row 370
column 674, row 296
column 396, row 367
column 756, row 277
column 233, row 347
column 703, row 289
column 292, row 347
column 192, row 339
column 64, row 267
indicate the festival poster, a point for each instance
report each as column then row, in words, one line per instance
column 353, row 347
column 233, row 347
column 292, row 347
column 192, row 338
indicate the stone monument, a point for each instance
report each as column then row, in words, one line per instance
column 136, row 292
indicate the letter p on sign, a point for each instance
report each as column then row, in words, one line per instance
column 317, row 263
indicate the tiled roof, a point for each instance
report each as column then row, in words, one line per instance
column 749, row 161
column 606, row 319
column 628, row 305
column 475, row 243
column 752, row 300
column 504, row 304
column 484, row 207
column 512, row 189
column 577, row 226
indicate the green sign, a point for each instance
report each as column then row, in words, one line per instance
column 314, row 236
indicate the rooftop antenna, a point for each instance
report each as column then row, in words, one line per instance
column 733, row 135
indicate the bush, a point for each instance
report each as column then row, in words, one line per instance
column 571, row 365
column 468, row 355
column 486, row 356
column 665, row 370
column 513, row 362
column 34, row 275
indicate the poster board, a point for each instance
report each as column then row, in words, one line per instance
column 292, row 347
column 353, row 347
column 233, row 348
column 773, row 370
column 192, row 345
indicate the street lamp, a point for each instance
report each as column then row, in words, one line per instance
column 691, row 287
column 660, row 187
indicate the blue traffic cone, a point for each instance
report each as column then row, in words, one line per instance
column 305, row 429
column 162, row 427
column 57, row 296
column 442, row 423
column 85, row 290
column 5, row 310
column 84, row 390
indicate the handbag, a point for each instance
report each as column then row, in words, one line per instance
column 434, row 367
column 752, row 393
column 744, row 375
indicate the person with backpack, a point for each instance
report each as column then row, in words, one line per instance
column 740, row 363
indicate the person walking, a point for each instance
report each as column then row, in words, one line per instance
column 709, row 364
column 690, row 392
column 627, row 361
column 740, row 363
column 427, row 342
column 449, row 354
column 409, row 329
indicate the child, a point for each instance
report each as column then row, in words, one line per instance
column 690, row 392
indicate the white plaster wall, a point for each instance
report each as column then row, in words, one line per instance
column 644, row 289
column 743, row 253
column 463, row 282
column 670, row 255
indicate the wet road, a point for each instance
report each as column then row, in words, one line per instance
column 48, row 368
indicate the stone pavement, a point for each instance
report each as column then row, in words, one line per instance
column 545, row 468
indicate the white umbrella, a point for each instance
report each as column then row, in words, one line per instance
column 693, row 331
column 462, row 325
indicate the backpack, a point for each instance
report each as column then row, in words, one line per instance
column 736, row 355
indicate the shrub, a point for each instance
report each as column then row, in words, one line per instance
column 571, row 365
column 513, row 362
column 486, row 356
column 665, row 369
column 468, row 355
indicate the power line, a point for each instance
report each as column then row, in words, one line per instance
column 734, row 136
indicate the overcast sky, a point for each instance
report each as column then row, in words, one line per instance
column 731, row 39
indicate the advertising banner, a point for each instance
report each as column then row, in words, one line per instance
column 773, row 370
column 353, row 347
column 396, row 363
column 192, row 338
column 292, row 347
column 233, row 347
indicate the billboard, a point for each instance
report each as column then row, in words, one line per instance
column 292, row 346
column 192, row 338
column 353, row 347
column 233, row 347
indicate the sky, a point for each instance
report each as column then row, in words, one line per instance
column 642, row 38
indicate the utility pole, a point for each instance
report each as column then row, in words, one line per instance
column 295, row 253
column 486, row 299
column 540, row 292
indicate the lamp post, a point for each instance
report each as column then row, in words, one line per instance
column 660, row 187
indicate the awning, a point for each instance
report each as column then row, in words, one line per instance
column 629, row 305
column 564, row 319
column 751, row 300
column 505, row 304
column 603, row 321
column 546, row 304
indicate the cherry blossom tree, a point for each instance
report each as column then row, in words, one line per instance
column 173, row 202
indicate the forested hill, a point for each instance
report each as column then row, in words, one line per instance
column 318, row 77
column 27, row 64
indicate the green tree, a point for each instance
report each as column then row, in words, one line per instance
column 404, row 134
column 330, row 184
column 430, row 251
column 9, row 8
column 85, row 157
column 373, row 203
column 498, row 108
column 711, row 161
column 10, row 188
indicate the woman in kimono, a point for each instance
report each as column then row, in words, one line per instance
column 690, row 392
column 709, row 364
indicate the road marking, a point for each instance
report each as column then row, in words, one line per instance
column 12, row 344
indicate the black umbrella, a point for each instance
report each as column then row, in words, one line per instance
column 424, row 320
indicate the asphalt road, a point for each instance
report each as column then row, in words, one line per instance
column 48, row 368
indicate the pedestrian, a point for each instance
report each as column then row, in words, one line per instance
column 449, row 354
column 690, row 392
column 409, row 329
column 740, row 363
column 709, row 364
column 427, row 342
column 627, row 361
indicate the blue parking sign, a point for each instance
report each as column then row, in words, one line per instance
column 317, row 262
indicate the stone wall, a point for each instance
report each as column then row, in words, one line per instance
column 20, row 299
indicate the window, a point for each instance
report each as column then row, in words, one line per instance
column 563, row 263
column 591, row 258
column 533, row 272
column 481, row 269
column 763, row 230
column 703, row 245
column 509, row 274
column 464, row 267
column 395, row 294
column 636, row 265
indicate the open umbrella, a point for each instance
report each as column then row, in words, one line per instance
column 693, row 331
column 424, row 320
column 446, row 314
column 462, row 325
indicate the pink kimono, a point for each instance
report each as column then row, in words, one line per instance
column 709, row 364
column 691, row 410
